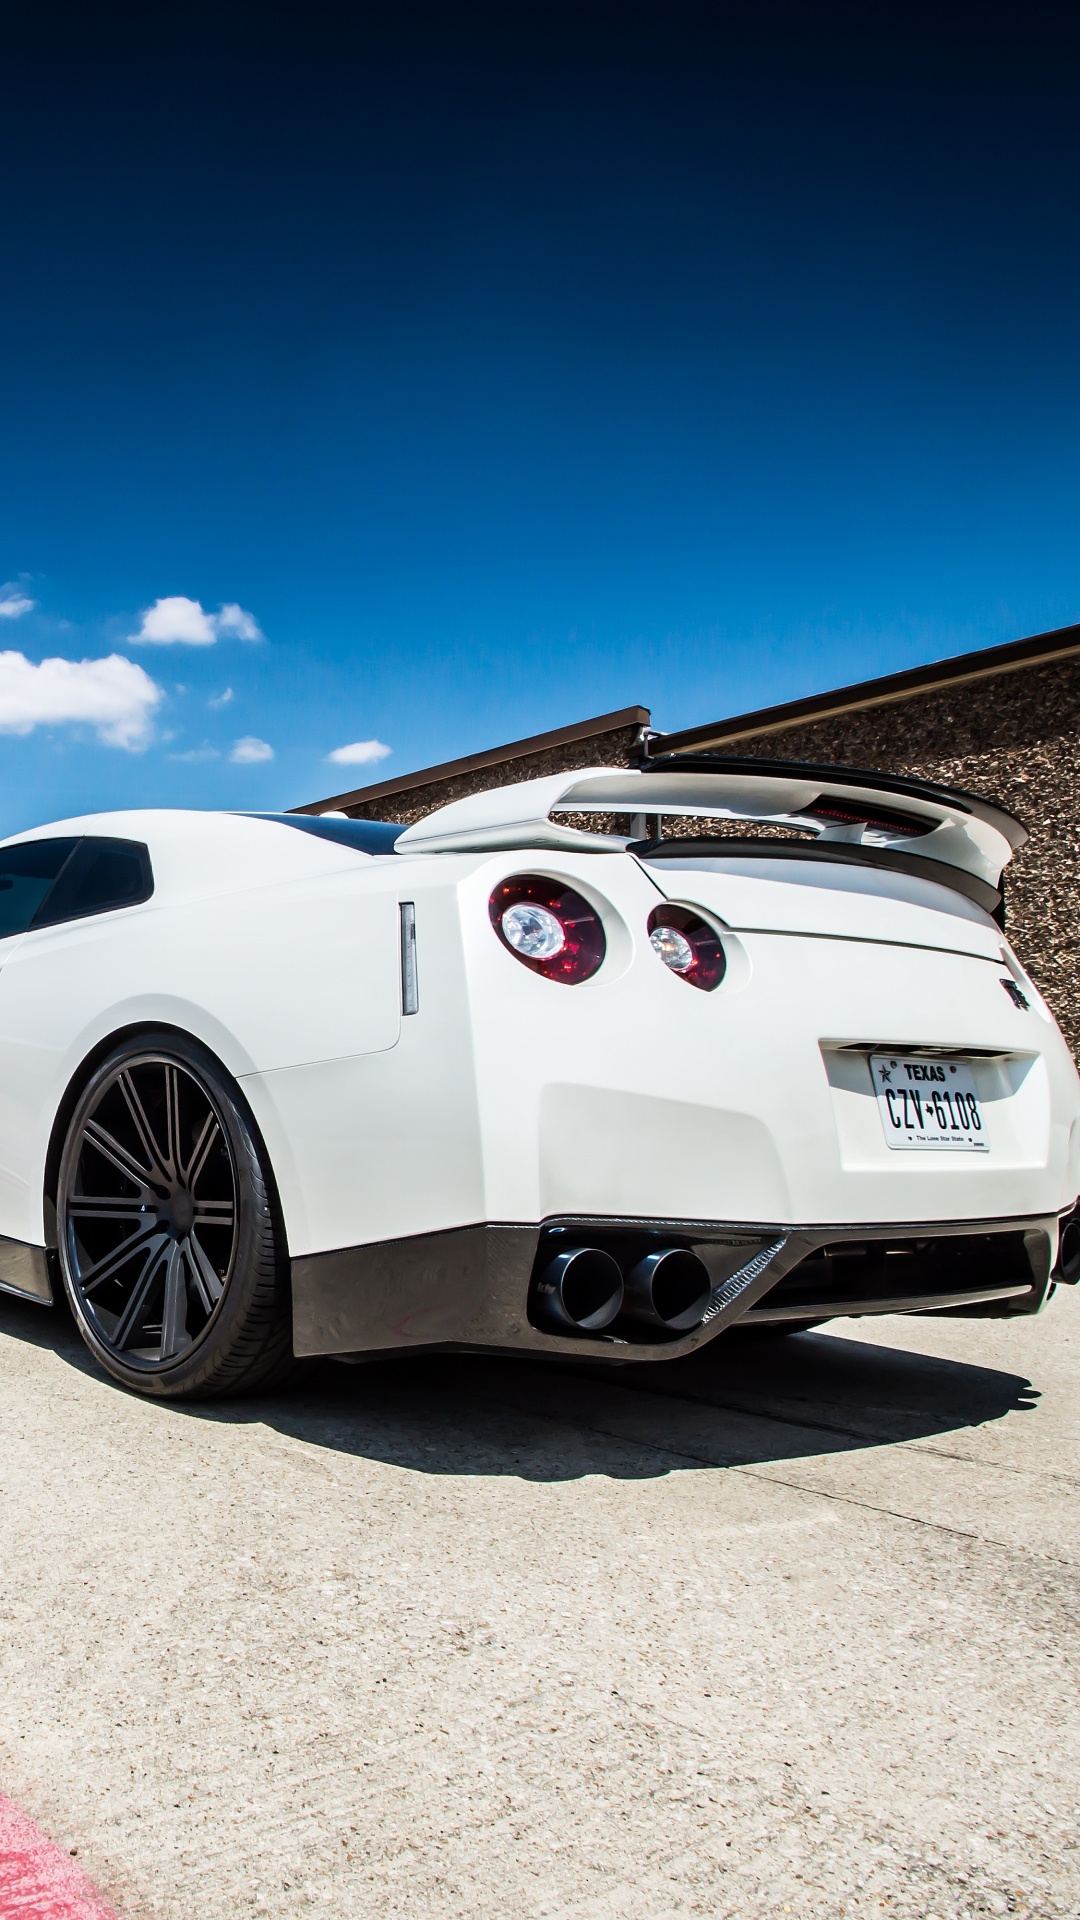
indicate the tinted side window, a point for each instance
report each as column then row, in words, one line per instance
column 100, row 875
column 26, row 874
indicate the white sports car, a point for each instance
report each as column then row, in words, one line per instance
column 279, row 1085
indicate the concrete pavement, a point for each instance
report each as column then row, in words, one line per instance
column 788, row 1628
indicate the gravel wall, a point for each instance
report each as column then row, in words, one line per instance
column 619, row 748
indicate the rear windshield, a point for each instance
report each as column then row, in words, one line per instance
column 365, row 836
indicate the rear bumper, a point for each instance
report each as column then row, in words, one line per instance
column 474, row 1287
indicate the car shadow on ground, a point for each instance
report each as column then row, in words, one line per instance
column 741, row 1401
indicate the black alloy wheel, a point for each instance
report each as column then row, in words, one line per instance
column 172, row 1257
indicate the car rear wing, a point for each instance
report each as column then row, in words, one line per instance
column 842, row 807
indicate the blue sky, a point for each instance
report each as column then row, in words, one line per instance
column 491, row 367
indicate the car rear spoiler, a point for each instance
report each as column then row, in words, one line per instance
column 843, row 807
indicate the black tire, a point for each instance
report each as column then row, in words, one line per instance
column 172, row 1253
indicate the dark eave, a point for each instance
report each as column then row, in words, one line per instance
column 493, row 757
column 1043, row 649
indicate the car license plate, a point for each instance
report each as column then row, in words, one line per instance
column 926, row 1102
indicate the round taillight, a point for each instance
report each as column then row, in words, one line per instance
column 548, row 927
column 688, row 946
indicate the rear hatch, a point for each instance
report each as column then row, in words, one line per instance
column 858, row 975
column 772, row 893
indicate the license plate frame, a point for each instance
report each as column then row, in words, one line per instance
column 928, row 1103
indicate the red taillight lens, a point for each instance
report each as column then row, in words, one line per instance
column 688, row 946
column 548, row 927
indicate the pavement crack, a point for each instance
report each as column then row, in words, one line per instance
column 896, row 1513
column 675, row 1452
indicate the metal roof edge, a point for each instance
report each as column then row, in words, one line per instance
column 493, row 757
column 1039, row 650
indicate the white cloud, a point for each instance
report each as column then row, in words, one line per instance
column 14, row 603
column 174, row 620
column 362, row 753
column 178, row 621
column 196, row 753
column 249, row 751
column 233, row 620
column 221, row 699
column 114, row 696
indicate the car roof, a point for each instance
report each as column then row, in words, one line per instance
column 195, row 852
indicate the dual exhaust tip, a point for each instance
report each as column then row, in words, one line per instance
column 584, row 1290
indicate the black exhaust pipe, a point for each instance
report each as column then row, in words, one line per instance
column 580, row 1291
column 1067, row 1267
column 669, row 1289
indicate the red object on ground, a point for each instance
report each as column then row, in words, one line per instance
column 38, row 1880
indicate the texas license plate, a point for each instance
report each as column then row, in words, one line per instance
column 926, row 1102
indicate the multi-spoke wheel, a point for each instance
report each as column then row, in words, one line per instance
column 171, row 1258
